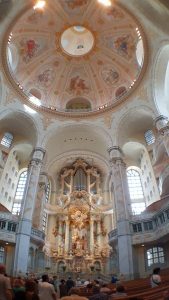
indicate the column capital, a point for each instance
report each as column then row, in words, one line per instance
column 38, row 153
column 116, row 154
column 115, row 151
column 161, row 122
column 43, row 179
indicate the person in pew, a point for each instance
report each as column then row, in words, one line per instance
column 74, row 295
column 120, row 292
column 155, row 279
column 97, row 295
column 104, row 289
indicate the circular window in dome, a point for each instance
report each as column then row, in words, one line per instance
column 77, row 40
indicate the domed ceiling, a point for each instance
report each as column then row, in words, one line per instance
column 75, row 55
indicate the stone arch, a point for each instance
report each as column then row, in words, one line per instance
column 12, row 57
column 71, row 137
column 161, row 81
column 20, row 125
column 134, row 123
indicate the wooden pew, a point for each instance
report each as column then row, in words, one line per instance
column 152, row 294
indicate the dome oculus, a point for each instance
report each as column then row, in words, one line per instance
column 77, row 40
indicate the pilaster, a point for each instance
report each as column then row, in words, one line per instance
column 25, row 223
column 122, row 211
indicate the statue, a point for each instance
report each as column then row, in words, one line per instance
column 96, row 250
column 60, row 250
column 55, row 231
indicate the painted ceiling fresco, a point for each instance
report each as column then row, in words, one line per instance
column 102, row 76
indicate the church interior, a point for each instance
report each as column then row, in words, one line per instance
column 84, row 137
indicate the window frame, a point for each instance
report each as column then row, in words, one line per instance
column 19, row 193
column 7, row 139
column 149, row 137
column 155, row 257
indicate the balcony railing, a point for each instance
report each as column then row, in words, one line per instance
column 147, row 227
column 37, row 235
column 9, row 226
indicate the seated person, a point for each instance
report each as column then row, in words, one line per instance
column 74, row 295
column 120, row 292
column 105, row 289
column 155, row 278
column 97, row 295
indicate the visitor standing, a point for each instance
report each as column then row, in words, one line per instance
column 69, row 284
column 46, row 289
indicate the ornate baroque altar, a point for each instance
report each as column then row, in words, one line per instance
column 80, row 233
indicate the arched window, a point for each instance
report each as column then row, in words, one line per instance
column 44, row 221
column 136, row 191
column 19, row 193
column 7, row 140
column 149, row 137
column 155, row 255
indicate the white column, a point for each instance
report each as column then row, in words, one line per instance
column 40, row 201
column 67, row 236
column 88, row 181
column 98, row 183
column 25, row 224
column 99, row 233
column 60, row 234
column 122, row 211
column 91, row 236
column 71, row 181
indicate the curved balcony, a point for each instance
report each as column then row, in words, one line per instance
column 9, row 226
column 38, row 236
column 147, row 227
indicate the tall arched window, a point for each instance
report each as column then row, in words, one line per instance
column 136, row 191
column 7, row 140
column 44, row 221
column 19, row 193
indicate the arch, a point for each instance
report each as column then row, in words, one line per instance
column 78, row 104
column 134, row 123
column 19, row 124
column 161, row 81
column 70, row 156
column 71, row 137
column 12, row 57
column 137, row 157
